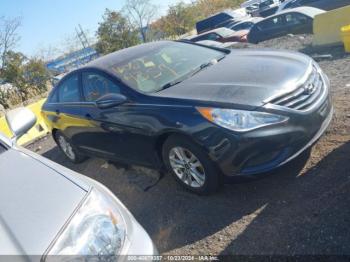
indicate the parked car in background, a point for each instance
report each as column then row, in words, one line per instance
column 268, row 7
column 253, row 9
column 219, row 20
column 320, row 4
column 201, row 112
column 246, row 24
column 48, row 210
column 222, row 35
column 291, row 21
column 216, row 44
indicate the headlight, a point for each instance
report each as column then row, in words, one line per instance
column 97, row 229
column 240, row 120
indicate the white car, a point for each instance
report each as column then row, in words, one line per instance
column 48, row 210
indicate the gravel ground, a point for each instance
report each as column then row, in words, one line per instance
column 302, row 208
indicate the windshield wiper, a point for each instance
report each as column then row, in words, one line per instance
column 201, row 67
column 205, row 65
column 195, row 71
column 220, row 58
column 172, row 83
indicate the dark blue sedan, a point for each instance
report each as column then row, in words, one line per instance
column 202, row 113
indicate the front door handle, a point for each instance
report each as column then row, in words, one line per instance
column 57, row 112
column 88, row 116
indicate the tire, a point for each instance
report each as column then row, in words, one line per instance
column 69, row 151
column 192, row 167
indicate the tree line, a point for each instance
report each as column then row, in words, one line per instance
column 135, row 23
column 28, row 76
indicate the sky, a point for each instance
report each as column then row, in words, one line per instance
column 48, row 22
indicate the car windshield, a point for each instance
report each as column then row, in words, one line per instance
column 165, row 66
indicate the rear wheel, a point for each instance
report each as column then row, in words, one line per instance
column 191, row 165
column 68, row 149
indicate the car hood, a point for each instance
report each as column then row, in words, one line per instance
column 243, row 77
column 35, row 203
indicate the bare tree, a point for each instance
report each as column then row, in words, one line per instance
column 141, row 13
column 8, row 36
column 47, row 53
column 71, row 42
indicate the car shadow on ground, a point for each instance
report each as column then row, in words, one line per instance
column 306, row 215
column 279, row 214
column 325, row 53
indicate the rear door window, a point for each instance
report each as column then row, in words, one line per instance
column 68, row 90
column 54, row 96
column 272, row 23
column 295, row 19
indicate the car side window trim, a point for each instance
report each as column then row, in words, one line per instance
column 55, row 91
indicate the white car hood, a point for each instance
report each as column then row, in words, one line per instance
column 35, row 203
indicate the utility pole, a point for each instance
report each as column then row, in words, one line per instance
column 82, row 36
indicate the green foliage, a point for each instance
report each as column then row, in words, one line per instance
column 210, row 7
column 115, row 32
column 12, row 70
column 36, row 75
column 181, row 17
column 29, row 76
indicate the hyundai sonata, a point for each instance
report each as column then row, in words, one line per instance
column 202, row 112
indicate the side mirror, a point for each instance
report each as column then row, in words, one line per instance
column 110, row 100
column 20, row 121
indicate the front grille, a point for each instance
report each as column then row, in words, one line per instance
column 304, row 96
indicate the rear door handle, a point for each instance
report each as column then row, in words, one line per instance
column 88, row 116
column 57, row 112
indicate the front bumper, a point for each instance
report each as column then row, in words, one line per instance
column 288, row 151
column 267, row 148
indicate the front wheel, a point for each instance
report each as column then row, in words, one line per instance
column 68, row 149
column 191, row 165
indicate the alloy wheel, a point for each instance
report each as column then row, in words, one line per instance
column 66, row 147
column 187, row 167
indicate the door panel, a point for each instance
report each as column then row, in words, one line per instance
column 63, row 110
column 113, row 133
column 122, row 133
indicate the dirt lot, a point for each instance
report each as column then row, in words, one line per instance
column 302, row 208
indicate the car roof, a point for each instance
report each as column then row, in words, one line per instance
column 251, row 19
column 306, row 10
